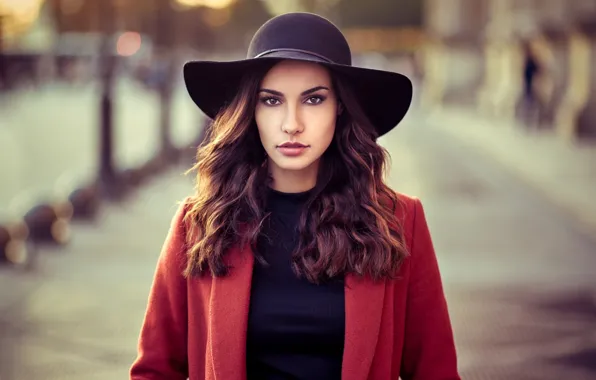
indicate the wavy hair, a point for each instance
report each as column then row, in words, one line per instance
column 349, row 224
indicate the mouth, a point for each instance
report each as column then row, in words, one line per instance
column 292, row 149
column 292, row 145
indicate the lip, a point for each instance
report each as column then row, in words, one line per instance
column 291, row 149
column 290, row 144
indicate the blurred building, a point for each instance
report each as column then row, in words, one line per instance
column 63, row 44
column 476, row 55
column 27, row 33
column 466, row 51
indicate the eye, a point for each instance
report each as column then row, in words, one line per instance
column 314, row 100
column 270, row 101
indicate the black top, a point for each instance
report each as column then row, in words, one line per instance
column 295, row 328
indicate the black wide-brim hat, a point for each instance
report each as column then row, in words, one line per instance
column 384, row 96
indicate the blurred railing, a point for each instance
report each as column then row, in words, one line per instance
column 49, row 149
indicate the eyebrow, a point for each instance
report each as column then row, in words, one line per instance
column 307, row 92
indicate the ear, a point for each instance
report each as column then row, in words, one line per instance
column 340, row 108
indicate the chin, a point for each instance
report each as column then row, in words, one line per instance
column 293, row 164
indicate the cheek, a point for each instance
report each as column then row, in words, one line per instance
column 322, row 125
column 265, row 124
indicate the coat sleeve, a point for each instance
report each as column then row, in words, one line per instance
column 162, row 346
column 429, row 347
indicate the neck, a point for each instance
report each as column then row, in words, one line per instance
column 293, row 181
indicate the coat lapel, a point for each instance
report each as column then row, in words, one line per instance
column 229, row 306
column 364, row 308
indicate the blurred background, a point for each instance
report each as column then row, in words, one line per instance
column 96, row 131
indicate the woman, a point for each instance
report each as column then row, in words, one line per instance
column 294, row 260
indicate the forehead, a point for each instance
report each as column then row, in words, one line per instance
column 296, row 73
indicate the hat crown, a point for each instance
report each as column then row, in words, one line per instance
column 301, row 31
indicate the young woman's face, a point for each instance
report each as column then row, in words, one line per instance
column 296, row 115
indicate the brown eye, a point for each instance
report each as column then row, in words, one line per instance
column 271, row 101
column 314, row 100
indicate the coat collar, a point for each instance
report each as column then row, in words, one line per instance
column 228, row 319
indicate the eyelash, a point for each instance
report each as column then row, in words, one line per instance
column 265, row 100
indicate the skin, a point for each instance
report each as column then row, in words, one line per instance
column 297, row 103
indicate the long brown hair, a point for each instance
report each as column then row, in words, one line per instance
column 349, row 224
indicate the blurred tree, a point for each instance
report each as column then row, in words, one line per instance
column 193, row 30
column 242, row 20
column 84, row 15
column 322, row 7
column 276, row 7
column 199, row 27
column 379, row 13
column 77, row 15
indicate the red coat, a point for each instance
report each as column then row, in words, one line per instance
column 197, row 328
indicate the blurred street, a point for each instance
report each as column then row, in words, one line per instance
column 50, row 140
column 518, row 273
column 97, row 129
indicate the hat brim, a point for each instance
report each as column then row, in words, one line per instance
column 384, row 96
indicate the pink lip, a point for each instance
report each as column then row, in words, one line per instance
column 292, row 149
column 292, row 145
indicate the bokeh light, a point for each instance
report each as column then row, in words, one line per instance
column 129, row 43
column 18, row 15
column 215, row 4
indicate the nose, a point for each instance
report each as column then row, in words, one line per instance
column 292, row 124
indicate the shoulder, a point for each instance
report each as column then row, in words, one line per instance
column 408, row 200
column 180, row 224
column 410, row 213
column 407, row 207
column 180, row 220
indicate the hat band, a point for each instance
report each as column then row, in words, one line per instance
column 267, row 52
